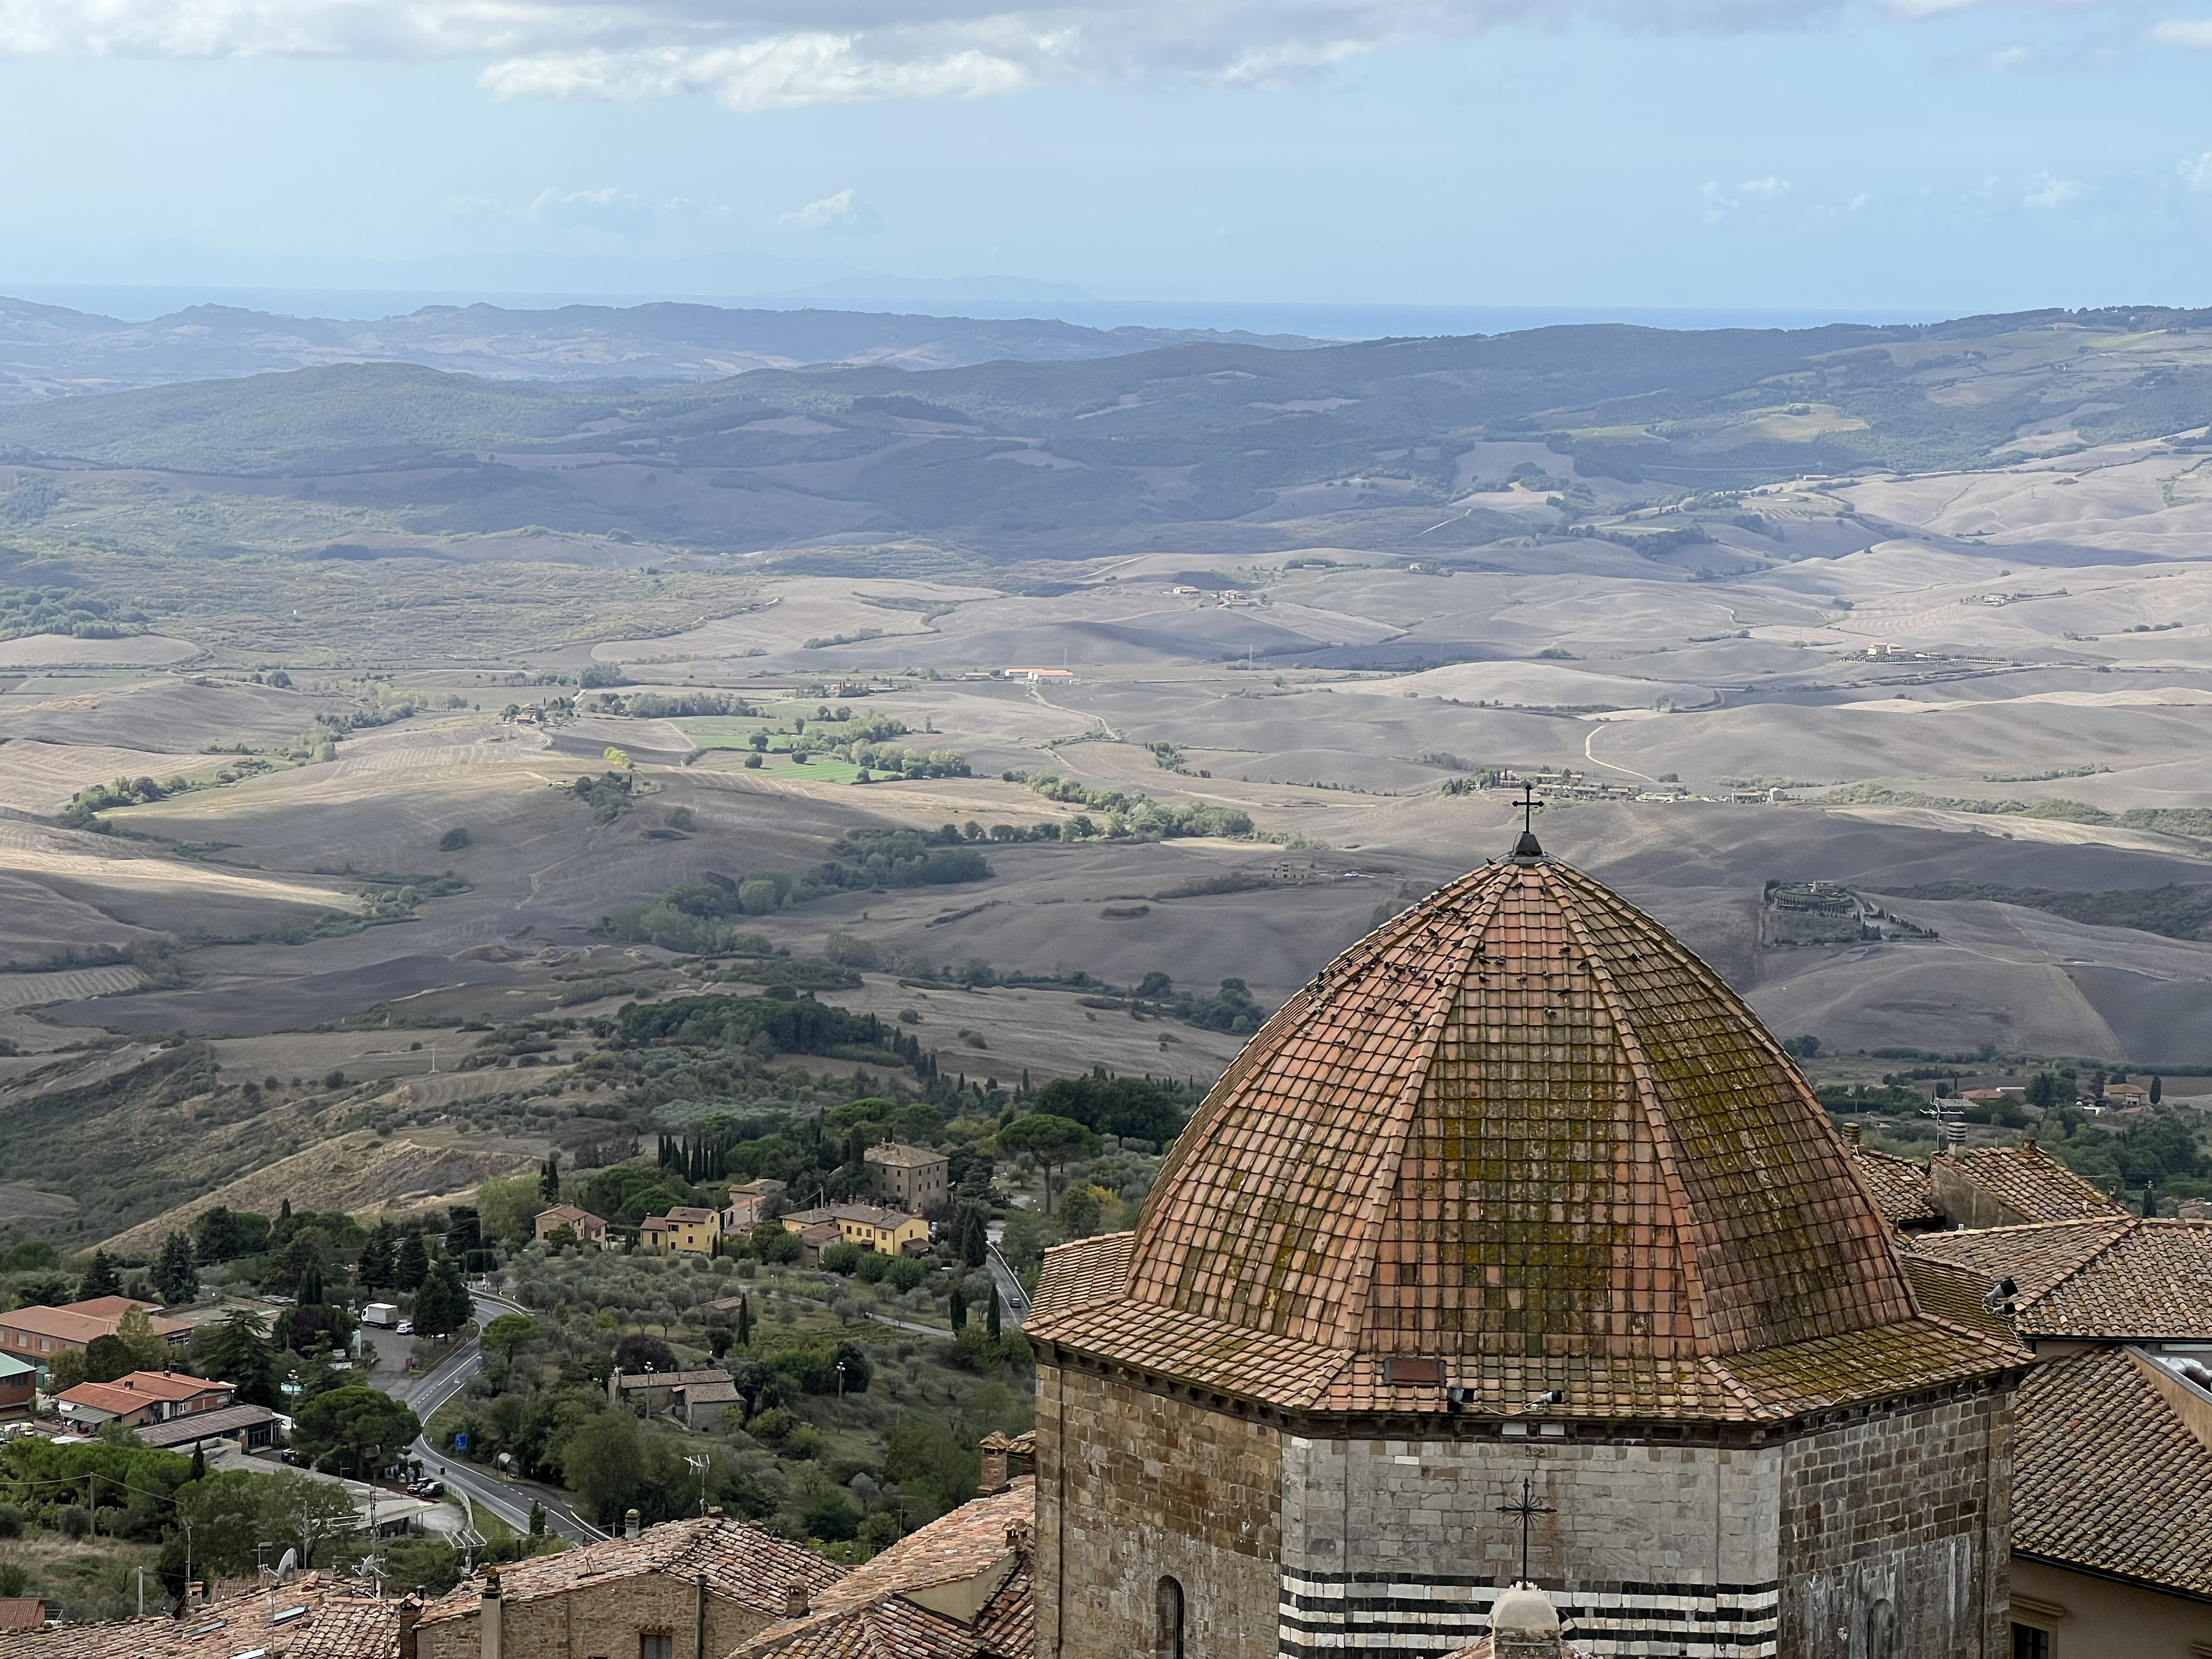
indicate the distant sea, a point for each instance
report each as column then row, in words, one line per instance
column 1319, row 320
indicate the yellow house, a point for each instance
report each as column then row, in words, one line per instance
column 887, row 1232
column 683, row 1231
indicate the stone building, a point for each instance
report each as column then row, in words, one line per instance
column 683, row 1590
column 1975, row 1187
column 913, row 1177
column 1517, row 1218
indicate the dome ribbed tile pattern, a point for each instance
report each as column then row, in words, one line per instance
column 1519, row 1121
column 1523, row 1131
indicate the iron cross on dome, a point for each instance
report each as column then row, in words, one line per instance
column 1529, row 806
column 1528, row 1509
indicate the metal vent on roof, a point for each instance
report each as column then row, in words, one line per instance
column 288, row 1614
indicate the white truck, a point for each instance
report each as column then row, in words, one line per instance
column 385, row 1315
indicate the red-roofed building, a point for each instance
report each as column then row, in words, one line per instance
column 39, row 1333
column 143, row 1398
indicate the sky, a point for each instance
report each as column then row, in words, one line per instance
column 1929, row 157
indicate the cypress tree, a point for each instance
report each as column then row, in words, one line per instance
column 958, row 1310
column 991, row 1319
column 412, row 1265
column 744, row 1322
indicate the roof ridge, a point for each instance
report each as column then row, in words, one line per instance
column 2127, row 1224
column 1390, row 1166
column 1662, row 1139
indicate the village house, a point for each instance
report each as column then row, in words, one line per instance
column 912, row 1177
column 590, row 1231
column 19, row 1383
column 749, row 1205
column 684, row 1231
column 2112, row 1459
column 39, row 1333
column 143, row 1398
column 312, row 1616
column 961, row 1587
column 888, row 1232
column 1976, row 1186
column 675, row 1591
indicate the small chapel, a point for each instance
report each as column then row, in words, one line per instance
column 1514, row 1251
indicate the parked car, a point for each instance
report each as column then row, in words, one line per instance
column 406, row 1327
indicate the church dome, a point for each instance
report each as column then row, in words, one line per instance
column 1519, row 1120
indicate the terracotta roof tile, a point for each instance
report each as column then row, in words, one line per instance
column 1521, row 1130
column 957, row 1544
column 337, row 1623
column 2108, row 1477
column 1902, row 1188
column 2029, row 1181
column 2116, row 1278
column 742, row 1562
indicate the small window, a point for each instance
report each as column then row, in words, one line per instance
column 2029, row 1642
column 656, row 1647
column 1881, row 1631
column 1170, row 1643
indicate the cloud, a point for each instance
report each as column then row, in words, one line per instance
column 2050, row 190
column 2196, row 171
column 2194, row 33
column 842, row 211
column 752, row 55
column 604, row 212
column 1764, row 190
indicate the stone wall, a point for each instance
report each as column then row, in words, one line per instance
column 1900, row 1519
column 1665, row 1548
column 600, row 1621
column 1134, row 1486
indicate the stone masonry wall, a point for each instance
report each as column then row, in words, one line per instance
column 1133, row 1487
column 600, row 1621
column 1900, row 1523
column 1646, row 1548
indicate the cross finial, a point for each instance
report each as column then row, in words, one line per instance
column 1527, row 1509
column 1527, row 849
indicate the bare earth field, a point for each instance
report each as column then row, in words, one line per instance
column 1913, row 686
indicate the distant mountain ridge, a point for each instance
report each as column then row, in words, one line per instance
column 50, row 351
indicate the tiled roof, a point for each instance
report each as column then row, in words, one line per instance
column 333, row 1623
column 1902, row 1188
column 869, row 1615
column 22, row 1613
column 568, row 1214
column 2108, row 1477
column 129, row 1394
column 629, row 1381
column 742, row 1562
column 69, row 1325
column 895, row 1628
column 693, row 1214
column 955, row 1546
column 896, row 1155
column 1521, row 1131
column 204, row 1425
column 2029, row 1181
column 867, row 1213
column 2117, row 1277
column 111, row 1307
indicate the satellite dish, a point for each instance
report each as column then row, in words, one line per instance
column 287, row 1566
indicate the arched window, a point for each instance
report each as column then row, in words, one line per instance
column 1881, row 1631
column 1168, row 1645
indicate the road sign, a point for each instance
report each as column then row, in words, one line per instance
column 460, row 1442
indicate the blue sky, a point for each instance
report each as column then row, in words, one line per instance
column 1932, row 156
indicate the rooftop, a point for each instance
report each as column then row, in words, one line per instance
column 742, row 1562
column 2109, row 1474
column 204, row 1425
column 128, row 1394
column 874, row 1612
column 310, row 1618
column 1904, row 1190
column 2115, row 1277
column 896, row 1155
column 2029, row 1181
column 72, row 1324
column 568, row 1213
column 867, row 1214
column 1517, row 1138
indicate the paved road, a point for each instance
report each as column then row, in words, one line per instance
column 1013, row 1301
column 508, row 1499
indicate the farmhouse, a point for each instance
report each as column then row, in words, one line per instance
column 912, row 1177
column 590, row 1231
column 684, row 1231
column 886, row 1232
column 143, row 1398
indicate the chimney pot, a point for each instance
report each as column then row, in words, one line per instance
column 715, row 1512
column 629, row 1524
column 794, row 1600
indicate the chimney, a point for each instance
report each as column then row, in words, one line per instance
column 2029, row 1146
column 630, row 1525
column 410, row 1611
column 1954, row 1136
column 489, row 1618
column 1851, row 1133
column 715, row 1512
column 794, row 1599
column 699, row 1615
column 994, row 1464
column 1525, row 1625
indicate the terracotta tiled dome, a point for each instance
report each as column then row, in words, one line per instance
column 1520, row 1119
column 1522, row 1129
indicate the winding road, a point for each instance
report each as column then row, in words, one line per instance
column 509, row 1499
